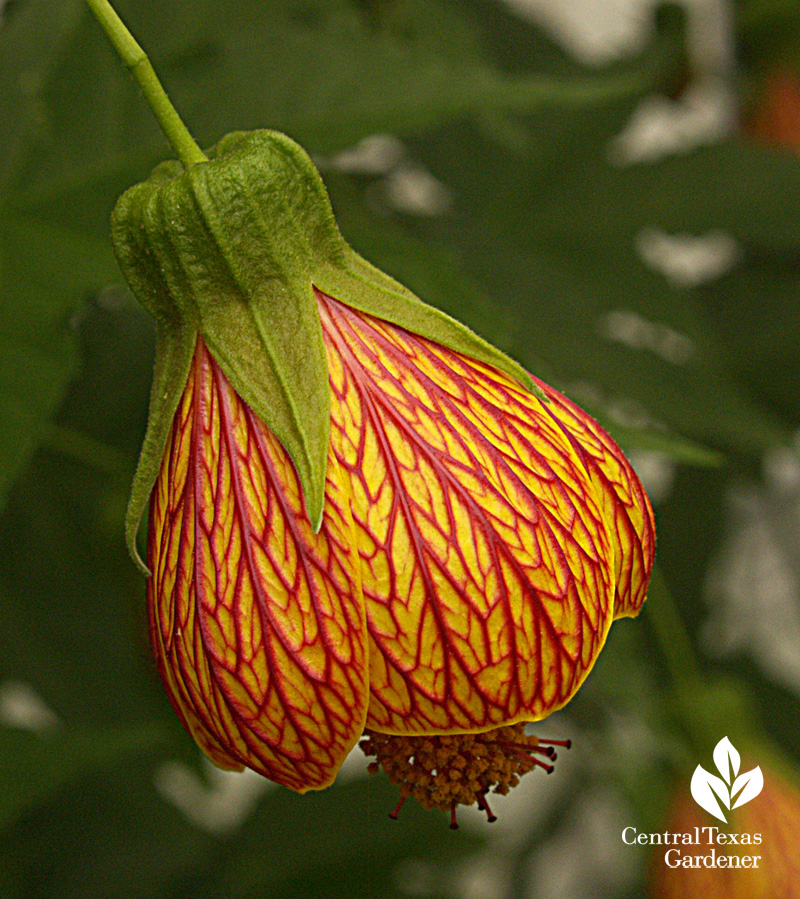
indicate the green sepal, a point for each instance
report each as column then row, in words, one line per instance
column 232, row 249
column 174, row 353
column 227, row 248
column 361, row 285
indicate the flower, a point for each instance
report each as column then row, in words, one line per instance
column 766, row 827
column 364, row 519
column 477, row 543
column 775, row 117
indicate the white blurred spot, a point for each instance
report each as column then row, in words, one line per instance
column 414, row 190
column 113, row 297
column 218, row 807
column 782, row 468
column 630, row 413
column 635, row 331
column 623, row 410
column 597, row 32
column 354, row 766
column 656, row 472
column 753, row 587
column 711, row 36
column 688, row 260
column 485, row 876
column 586, row 857
column 705, row 113
column 377, row 154
column 406, row 185
column 594, row 31
column 22, row 707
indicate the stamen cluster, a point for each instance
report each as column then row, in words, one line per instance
column 441, row 772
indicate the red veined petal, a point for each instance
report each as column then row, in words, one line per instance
column 487, row 563
column 257, row 623
column 624, row 501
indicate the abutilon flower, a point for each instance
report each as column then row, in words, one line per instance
column 774, row 118
column 766, row 827
column 370, row 524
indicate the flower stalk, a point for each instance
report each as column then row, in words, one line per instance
column 672, row 637
column 704, row 705
column 141, row 69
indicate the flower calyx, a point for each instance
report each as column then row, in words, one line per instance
column 232, row 250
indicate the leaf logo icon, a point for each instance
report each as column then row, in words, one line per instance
column 711, row 792
column 706, row 789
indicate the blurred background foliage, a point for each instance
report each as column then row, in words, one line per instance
column 608, row 190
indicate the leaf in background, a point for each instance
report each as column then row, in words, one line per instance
column 35, row 766
column 319, row 848
column 435, row 273
column 71, row 602
column 113, row 836
column 754, row 311
column 440, row 277
column 323, row 72
column 31, row 47
column 670, row 446
column 768, row 33
column 47, row 275
column 330, row 73
column 109, row 835
column 734, row 186
column 552, row 235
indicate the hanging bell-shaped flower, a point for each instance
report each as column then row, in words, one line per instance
column 363, row 517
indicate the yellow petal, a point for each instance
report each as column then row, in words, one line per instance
column 488, row 563
column 623, row 500
column 257, row 623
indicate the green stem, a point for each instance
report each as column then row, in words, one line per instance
column 672, row 637
column 139, row 66
column 707, row 706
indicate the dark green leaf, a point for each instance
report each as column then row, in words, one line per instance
column 46, row 276
column 35, row 766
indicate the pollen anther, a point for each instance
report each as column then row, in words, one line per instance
column 442, row 772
